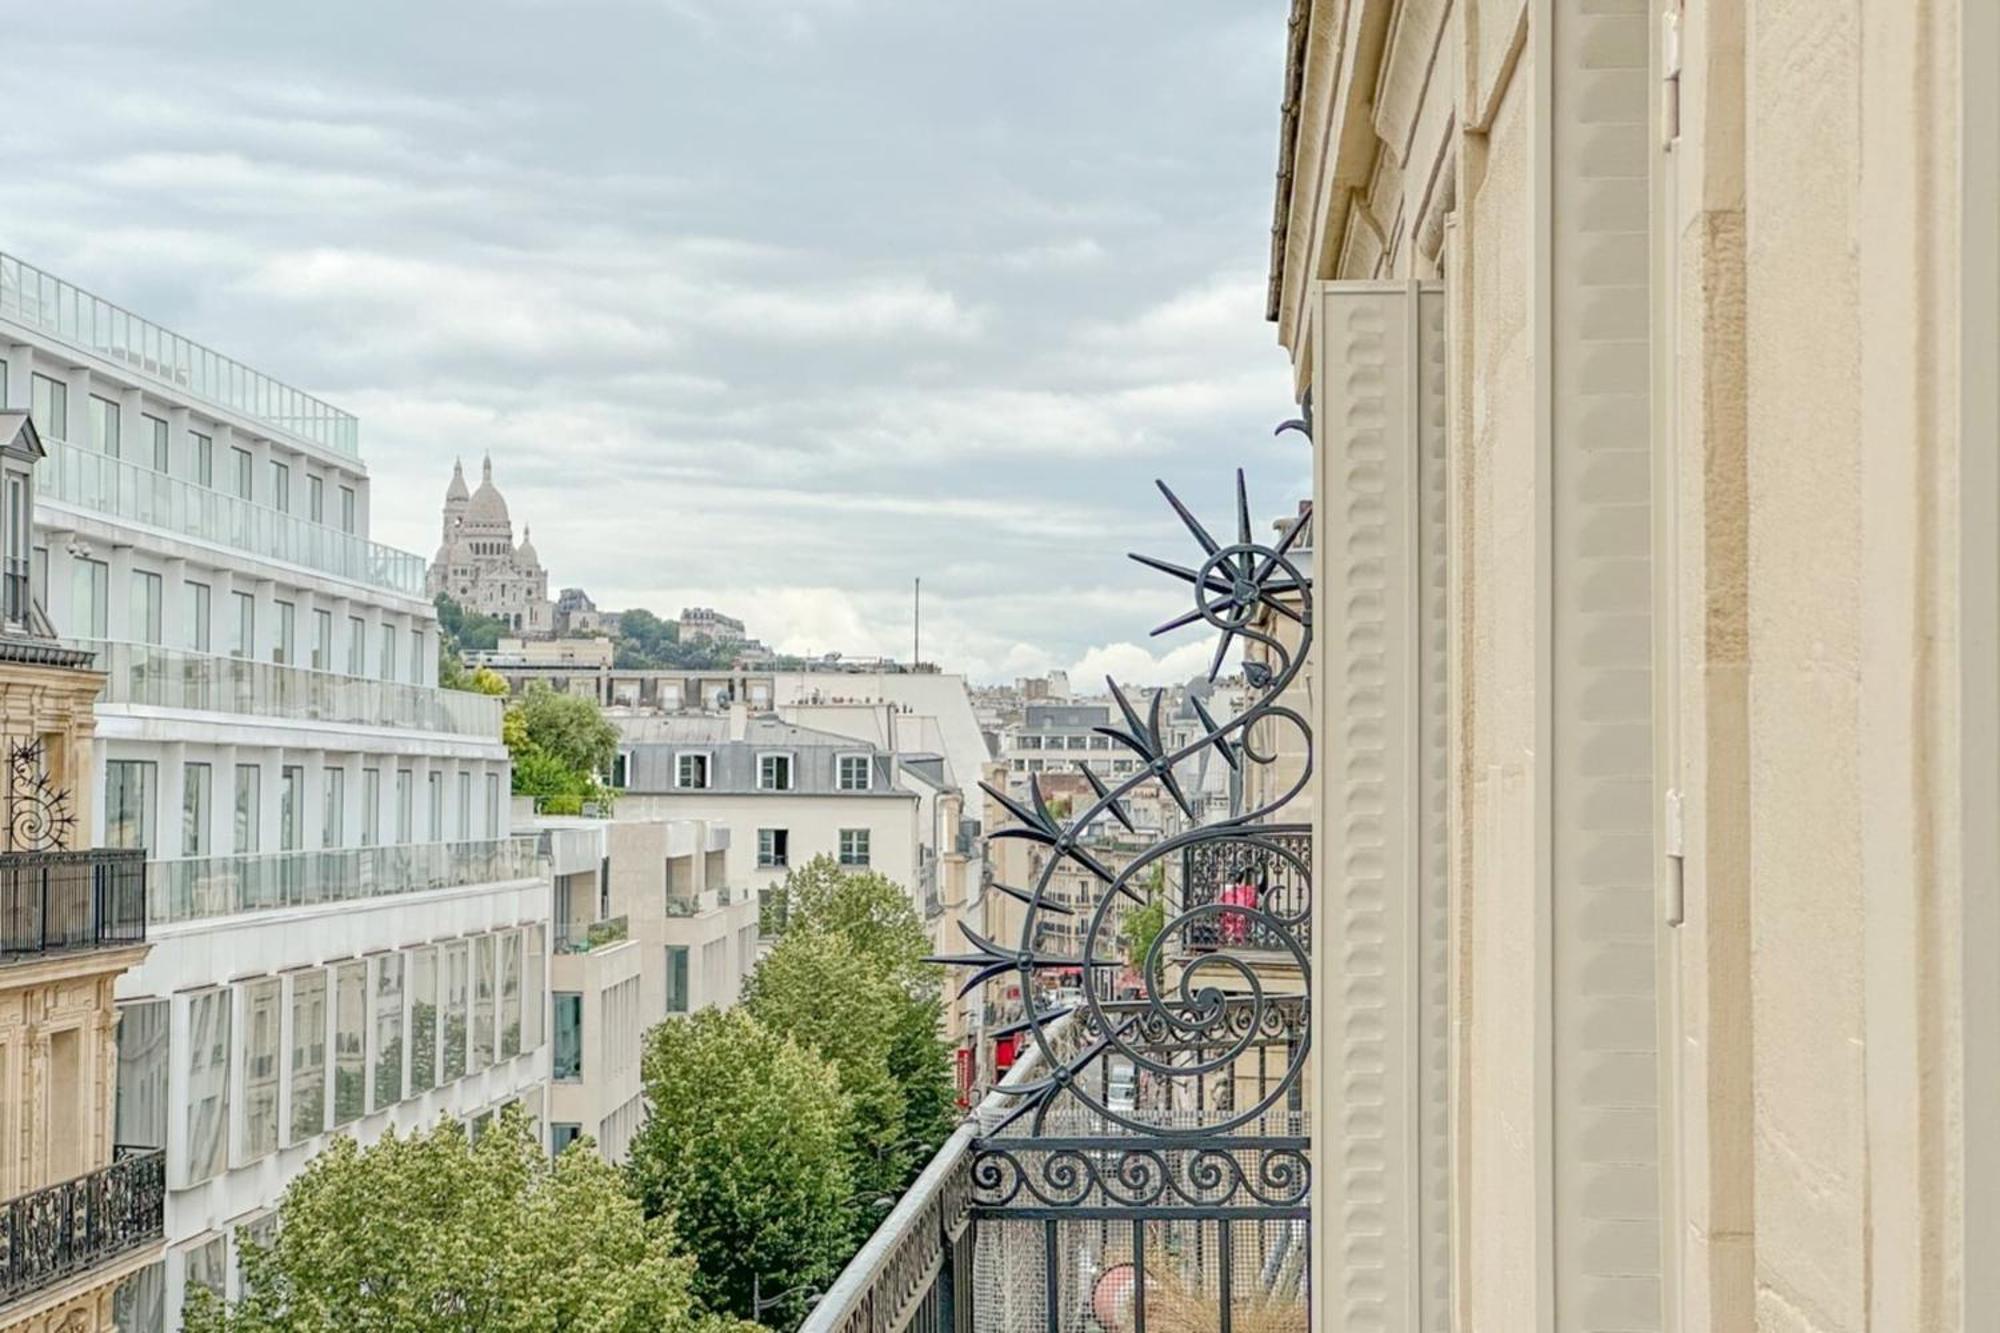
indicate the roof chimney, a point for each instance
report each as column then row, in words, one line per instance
column 739, row 719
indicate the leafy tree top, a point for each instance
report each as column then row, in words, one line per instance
column 873, row 912
column 434, row 1234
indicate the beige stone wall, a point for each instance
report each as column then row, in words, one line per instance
column 54, row 706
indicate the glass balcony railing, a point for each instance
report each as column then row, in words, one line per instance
column 149, row 675
column 91, row 324
column 123, row 489
column 200, row 887
column 583, row 936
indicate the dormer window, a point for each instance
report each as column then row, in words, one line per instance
column 854, row 772
column 20, row 450
column 774, row 772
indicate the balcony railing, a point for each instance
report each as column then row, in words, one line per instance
column 1154, row 1172
column 55, row 901
column 127, row 490
column 200, row 887
column 583, row 936
column 61, row 1232
column 92, row 324
column 1264, row 874
column 152, row 676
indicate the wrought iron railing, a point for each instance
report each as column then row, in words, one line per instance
column 1272, row 874
column 89, row 899
column 54, row 1234
column 1151, row 1171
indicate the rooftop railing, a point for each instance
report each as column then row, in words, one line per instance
column 152, row 676
column 92, row 324
column 583, row 936
column 56, row 901
column 197, row 888
column 124, row 489
column 55, row 1234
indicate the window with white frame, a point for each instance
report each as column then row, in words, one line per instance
column 19, row 538
column 774, row 772
column 691, row 771
column 855, row 772
column 773, row 848
column 854, row 846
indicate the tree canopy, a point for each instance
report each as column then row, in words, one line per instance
column 433, row 1234
column 744, row 1145
column 560, row 743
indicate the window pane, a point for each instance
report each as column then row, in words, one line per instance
column 457, row 995
column 198, row 629
column 568, row 1053
column 423, row 1020
column 204, row 460
column 308, row 1056
column 291, row 807
column 141, row 1118
column 371, row 806
column 197, row 787
column 350, row 1041
column 285, row 650
column 388, row 1031
column 249, row 777
column 261, row 1000
column 245, row 472
column 677, row 979
column 128, row 803
column 246, row 624
column 208, row 1084
column 315, row 499
column 333, row 817
column 536, row 946
column 510, row 995
column 156, row 430
column 483, row 1013
column 357, row 646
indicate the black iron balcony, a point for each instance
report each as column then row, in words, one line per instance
column 56, row 901
column 1265, row 873
column 58, row 1233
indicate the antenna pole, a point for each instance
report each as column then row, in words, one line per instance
column 917, row 627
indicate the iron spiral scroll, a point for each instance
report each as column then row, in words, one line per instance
column 1201, row 1012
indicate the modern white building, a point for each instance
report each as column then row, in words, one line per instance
column 345, row 934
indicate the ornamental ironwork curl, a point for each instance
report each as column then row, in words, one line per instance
column 1229, row 1172
column 40, row 816
column 1202, row 1003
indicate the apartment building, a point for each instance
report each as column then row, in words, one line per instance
column 646, row 927
column 345, row 934
column 81, row 1207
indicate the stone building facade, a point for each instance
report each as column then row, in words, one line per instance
column 478, row 565
column 1651, row 355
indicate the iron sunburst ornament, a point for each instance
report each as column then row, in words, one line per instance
column 1237, row 588
column 40, row 817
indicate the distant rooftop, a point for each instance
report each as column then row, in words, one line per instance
column 89, row 323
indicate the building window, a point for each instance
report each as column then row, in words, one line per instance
column 434, row 808
column 371, row 806
column 20, row 520
column 535, row 944
column 855, row 771
column 457, row 995
column 567, row 1057
column 92, row 594
column 204, row 459
column 357, row 646
column 350, row 1041
column 246, row 625
column 423, row 1020
column 157, row 430
column 347, row 509
column 315, row 499
column 388, row 1087
column 333, row 813
column 388, row 663
column 562, row 1135
column 197, row 789
column 492, row 805
column 208, row 1084
column 143, row 1048
column 145, row 611
column 774, row 772
column 262, row 1001
column 416, row 657
column 291, row 808
column 285, row 650
column 246, row 472
column 691, row 771
column 281, row 486
column 128, row 803
column 854, row 846
column 48, row 402
column 677, row 979
column 510, row 995
column 308, row 1056
column 773, row 848
column 483, row 1007
column 104, row 426
column 406, row 798
column 249, row 778
column 198, row 627
column 465, row 807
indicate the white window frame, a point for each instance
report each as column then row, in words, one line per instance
column 861, row 837
column 774, row 862
column 791, row 770
column 867, row 762
column 707, row 770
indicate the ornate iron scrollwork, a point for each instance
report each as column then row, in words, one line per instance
column 1205, row 1010
column 40, row 816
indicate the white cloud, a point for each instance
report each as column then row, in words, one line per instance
column 1135, row 664
column 1083, row 252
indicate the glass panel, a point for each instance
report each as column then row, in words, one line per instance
column 357, row 646
column 140, row 1303
column 388, row 1087
column 333, row 816
column 198, row 613
column 405, row 803
column 291, row 808
column 90, row 591
column 434, row 785
column 204, row 460
column 308, row 1055
column 316, row 499
column 141, row 1117
column 157, row 432
column 510, row 995
column 128, row 803
column 286, row 649
column 197, row 788
column 533, row 1000
column 104, row 426
column 371, row 806
column 483, row 1013
column 322, row 652
column 246, row 625
column 249, row 779
column 261, row 1001
column 677, row 979
column 350, row 1041
column 423, row 1020
column 208, row 1084
column 145, row 611
column 568, row 1053
column 48, row 403
column 464, row 807
column 457, row 998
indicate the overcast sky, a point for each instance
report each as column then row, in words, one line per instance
column 769, row 306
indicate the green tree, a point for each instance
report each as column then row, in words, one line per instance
column 434, row 1234
column 744, row 1146
column 870, row 909
column 485, row 680
column 560, row 743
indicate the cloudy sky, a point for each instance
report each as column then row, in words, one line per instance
column 767, row 304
